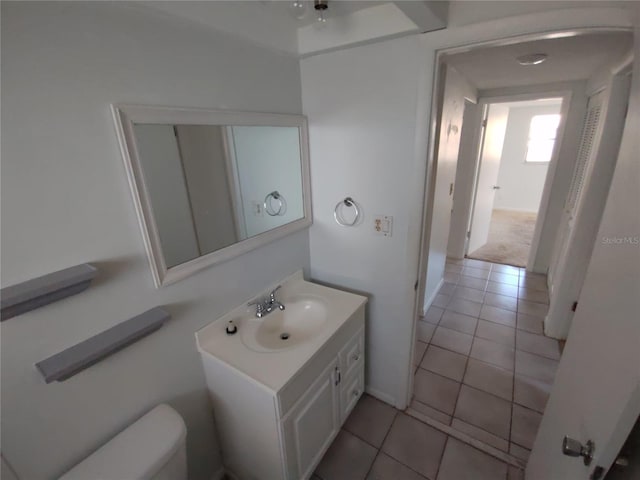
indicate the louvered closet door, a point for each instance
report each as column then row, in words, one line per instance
column 590, row 135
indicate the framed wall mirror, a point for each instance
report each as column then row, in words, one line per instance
column 209, row 185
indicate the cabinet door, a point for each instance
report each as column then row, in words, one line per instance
column 311, row 425
column 351, row 389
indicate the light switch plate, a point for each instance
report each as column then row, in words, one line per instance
column 383, row 225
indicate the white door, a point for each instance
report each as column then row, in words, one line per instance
column 588, row 145
column 486, row 184
column 596, row 395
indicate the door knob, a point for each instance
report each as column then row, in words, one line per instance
column 574, row 448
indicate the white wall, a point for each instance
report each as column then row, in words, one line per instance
column 456, row 90
column 521, row 183
column 268, row 160
column 361, row 107
column 205, row 170
column 65, row 200
column 157, row 146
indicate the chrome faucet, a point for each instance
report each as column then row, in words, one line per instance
column 266, row 305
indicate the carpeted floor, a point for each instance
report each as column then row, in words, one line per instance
column 510, row 236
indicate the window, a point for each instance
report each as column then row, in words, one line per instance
column 542, row 136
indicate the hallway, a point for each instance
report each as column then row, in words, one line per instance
column 483, row 365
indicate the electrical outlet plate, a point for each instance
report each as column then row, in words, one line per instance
column 383, row 225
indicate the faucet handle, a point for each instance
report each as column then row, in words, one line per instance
column 272, row 295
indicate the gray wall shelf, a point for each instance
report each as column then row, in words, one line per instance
column 26, row 296
column 73, row 360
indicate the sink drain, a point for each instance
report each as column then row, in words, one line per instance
column 284, row 336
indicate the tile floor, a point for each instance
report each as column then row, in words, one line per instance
column 379, row 442
column 483, row 367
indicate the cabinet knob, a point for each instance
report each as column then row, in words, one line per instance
column 355, row 357
column 356, row 393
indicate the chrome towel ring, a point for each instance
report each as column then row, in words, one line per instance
column 268, row 204
column 337, row 212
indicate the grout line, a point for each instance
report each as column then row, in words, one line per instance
column 444, row 449
column 465, row 438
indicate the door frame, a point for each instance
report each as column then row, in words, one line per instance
column 448, row 47
column 485, row 102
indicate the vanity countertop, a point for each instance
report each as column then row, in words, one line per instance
column 273, row 369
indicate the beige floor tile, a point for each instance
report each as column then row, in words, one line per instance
column 524, row 426
column 533, row 282
column 466, row 307
column 459, row 322
column 472, row 282
column 451, row 277
column 444, row 362
column 480, row 434
column 538, row 344
column 432, row 413
column 447, row 288
column 519, row 452
column 435, row 391
column 451, row 340
column 386, row 468
column 530, row 323
column 496, row 333
column 484, row 410
column 418, row 352
column 370, row 420
column 461, row 461
column 475, row 272
column 415, row 445
column 494, row 353
column 441, row 301
column 536, row 296
column 508, row 269
column 501, row 301
column 531, row 393
column 502, row 289
column 504, row 278
column 498, row 315
column 532, row 308
column 467, row 293
column 452, row 268
column 489, row 378
column 535, row 366
column 434, row 314
column 473, row 263
column 424, row 331
column 348, row 458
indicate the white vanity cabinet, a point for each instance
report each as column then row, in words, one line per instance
column 274, row 434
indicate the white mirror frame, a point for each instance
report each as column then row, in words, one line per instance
column 125, row 116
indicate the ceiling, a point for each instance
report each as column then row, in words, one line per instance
column 271, row 24
column 569, row 59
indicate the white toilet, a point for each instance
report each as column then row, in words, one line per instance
column 152, row 448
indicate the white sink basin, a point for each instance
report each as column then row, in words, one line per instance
column 303, row 318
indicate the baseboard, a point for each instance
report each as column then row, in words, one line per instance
column 380, row 395
column 430, row 300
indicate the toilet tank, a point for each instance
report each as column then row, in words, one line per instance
column 152, row 448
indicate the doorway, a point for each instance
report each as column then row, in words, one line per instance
column 515, row 154
column 482, row 365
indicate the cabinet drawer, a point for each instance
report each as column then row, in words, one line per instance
column 352, row 355
column 350, row 392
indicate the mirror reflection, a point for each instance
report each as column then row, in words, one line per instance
column 212, row 186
